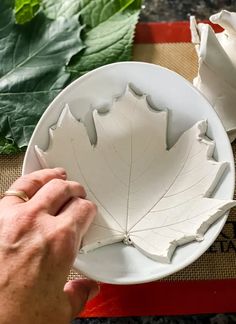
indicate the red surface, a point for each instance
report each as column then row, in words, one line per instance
column 166, row 32
column 164, row 298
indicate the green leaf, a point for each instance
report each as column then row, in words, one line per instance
column 109, row 34
column 109, row 42
column 92, row 12
column 32, row 69
column 95, row 12
column 8, row 147
column 60, row 8
column 25, row 10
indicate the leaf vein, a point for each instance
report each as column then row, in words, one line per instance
column 89, row 189
column 179, row 222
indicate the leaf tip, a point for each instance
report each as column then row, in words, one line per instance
column 66, row 116
column 41, row 156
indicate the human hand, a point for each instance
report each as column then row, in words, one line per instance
column 38, row 244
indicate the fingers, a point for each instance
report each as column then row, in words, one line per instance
column 80, row 212
column 54, row 194
column 80, row 291
column 32, row 182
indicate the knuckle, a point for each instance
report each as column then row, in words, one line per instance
column 28, row 179
column 50, row 238
column 77, row 188
column 81, row 188
column 62, row 237
column 59, row 183
column 53, row 236
column 64, row 230
column 33, row 211
column 88, row 207
column 38, row 246
column 28, row 215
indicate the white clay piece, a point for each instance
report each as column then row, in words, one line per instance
column 147, row 196
column 216, row 77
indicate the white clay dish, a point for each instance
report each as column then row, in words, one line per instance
column 118, row 263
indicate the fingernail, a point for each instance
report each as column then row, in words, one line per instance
column 62, row 172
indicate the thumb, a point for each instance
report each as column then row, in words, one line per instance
column 79, row 291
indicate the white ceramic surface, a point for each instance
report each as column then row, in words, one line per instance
column 143, row 198
column 117, row 263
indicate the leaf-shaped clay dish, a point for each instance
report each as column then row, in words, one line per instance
column 216, row 77
column 147, row 196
